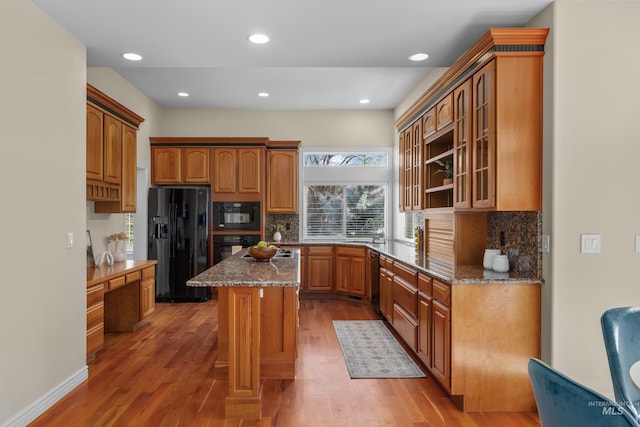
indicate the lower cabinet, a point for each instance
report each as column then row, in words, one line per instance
column 119, row 298
column 278, row 333
column 405, row 303
column 386, row 287
column 319, row 269
column 147, row 292
column 95, row 319
column 351, row 270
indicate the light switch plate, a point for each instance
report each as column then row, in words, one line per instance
column 637, row 245
column 590, row 243
column 546, row 243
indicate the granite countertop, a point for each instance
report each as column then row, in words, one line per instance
column 457, row 275
column 237, row 270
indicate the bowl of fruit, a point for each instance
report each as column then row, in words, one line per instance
column 262, row 252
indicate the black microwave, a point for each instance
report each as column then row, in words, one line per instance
column 230, row 216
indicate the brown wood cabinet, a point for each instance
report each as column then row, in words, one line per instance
column 119, row 298
column 462, row 145
column 95, row 319
column 405, row 303
column 319, row 269
column 386, row 287
column 282, row 181
column 278, row 333
column 492, row 120
column 350, row 270
column 180, row 165
column 111, row 153
column 238, row 170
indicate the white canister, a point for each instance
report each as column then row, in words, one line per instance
column 501, row 264
column 489, row 255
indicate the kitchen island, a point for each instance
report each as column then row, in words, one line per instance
column 257, row 325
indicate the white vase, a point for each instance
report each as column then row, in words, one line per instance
column 489, row 255
column 118, row 253
column 277, row 236
column 501, row 264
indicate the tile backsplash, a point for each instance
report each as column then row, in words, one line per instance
column 290, row 234
column 521, row 241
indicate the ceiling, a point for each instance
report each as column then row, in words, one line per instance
column 323, row 54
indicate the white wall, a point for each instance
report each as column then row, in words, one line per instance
column 315, row 128
column 595, row 150
column 42, row 176
column 111, row 83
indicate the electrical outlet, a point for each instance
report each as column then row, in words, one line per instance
column 637, row 244
column 69, row 240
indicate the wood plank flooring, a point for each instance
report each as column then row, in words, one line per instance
column 162, row 375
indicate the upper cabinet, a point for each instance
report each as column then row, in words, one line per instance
column 238, row 170
column 180, row 165
column 111, row 153
column 282, row 178
column 482, row 129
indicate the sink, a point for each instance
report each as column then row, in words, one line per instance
column 282, row 253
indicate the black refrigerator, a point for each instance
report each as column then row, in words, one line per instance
column 179, row 240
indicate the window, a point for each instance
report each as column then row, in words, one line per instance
column 344, row 211
column 345, row 159
column 344, row 194
column 411, row 221
column 128, row 230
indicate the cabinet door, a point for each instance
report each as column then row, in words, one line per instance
column 462, row 145
column 95, row 129
column 444, row 112
column 429, row 122
column 195, row 161
column 407, row 165
column 282, row 181
column 358, row 274
column 224, row 169
column 165, row 165
column 320, row 268
column 112, row 150
column 416, row 168
column 441, row 347
column 250, row 170
column 484, row 138
column 343, row 274
column 424, row 329
column 129, row 169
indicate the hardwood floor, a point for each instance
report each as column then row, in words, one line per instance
column 162, row 375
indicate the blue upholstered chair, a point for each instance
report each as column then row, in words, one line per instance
column 563, row 402
column 621, row 331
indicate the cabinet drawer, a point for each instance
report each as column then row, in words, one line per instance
column 424, row 284
column 95, row 316
column 116, row 283
column 386, row 263
column 406, row 326
column 349, row 251
column 95, row 340
column 95, row 295
column 148, row 273
column 405, row 296
column 407, row 273
column 319, row 250
column 133, row 277
column 442, row 292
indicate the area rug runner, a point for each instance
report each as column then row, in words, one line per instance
column 371, row 351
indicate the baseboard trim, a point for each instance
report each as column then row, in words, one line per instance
column 49, row 399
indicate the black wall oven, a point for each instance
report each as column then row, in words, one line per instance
column 236, row 216
column 224, row 245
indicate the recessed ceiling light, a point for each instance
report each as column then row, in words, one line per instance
column 258, row 38
column 131, row 56
column 263, row 94
column 183, row 94
column 364, row 101
column 419, row 56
